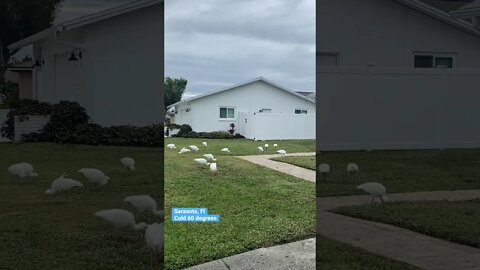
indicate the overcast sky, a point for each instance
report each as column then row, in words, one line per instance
column 217, row 43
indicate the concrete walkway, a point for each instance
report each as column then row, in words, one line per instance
column 265, row 160
column 297, row 255
column 400, row 244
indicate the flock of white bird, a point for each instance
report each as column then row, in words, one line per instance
column 118, row 218
column 209, row 159
column 376, row 190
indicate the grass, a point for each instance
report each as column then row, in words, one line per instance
column 453, row 221
column 60, row 231
column 258, row 207
column 304, row 162
column 334, row 255
column 242, row 147
column 402, row 171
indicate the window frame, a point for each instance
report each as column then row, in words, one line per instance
column 302, row 111
column 227, row 109
column 434, row 56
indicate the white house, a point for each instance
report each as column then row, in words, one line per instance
column 397, row 74
column 259, row 109
column 111, row 62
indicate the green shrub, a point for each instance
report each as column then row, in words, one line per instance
column 209, row 135
column 69, row 124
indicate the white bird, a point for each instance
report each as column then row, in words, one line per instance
column 352, row 169
column 282, row 152
column 22, row 170
column 171, row 146
column 201, row 161
column 377, row 190
column 275, row 145
column 324, row 169
column 266, row 146
column 128, row 162
column 121, row 218
column 184, row 151
column 213, row 167
column 154, row 239
column 62, row 184
column 260, row 149
column 210, row 157
column 94, row 176
column 225, row 150
column 205, row 144
column 144, row 203
column 193, row 147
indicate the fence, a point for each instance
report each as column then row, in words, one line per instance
column 33, row 124
column 390, row 108
column 270, row 126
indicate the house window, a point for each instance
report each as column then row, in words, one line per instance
column 327, row 59
column 265, row 110
column 227, row 113
column 300, row 111
column 434, row 61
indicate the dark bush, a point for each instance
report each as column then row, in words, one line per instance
column 210, row 135
column 184, row 130
column 238, row 136
column 65, row 118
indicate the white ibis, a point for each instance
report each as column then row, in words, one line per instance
column 154, row 239
column 95, row 176
column 213, row 167
column 283, row 153
column 183, row 151
column 210, row 157
column 260, row 149
column 275, row 145
column 121, row 218
column 225, row 150
column 62, row 184
column 194, row 148
column 352, row 169
column 144, row 203
column 266, row 146
column 375, row 189
column 171, row 146
column 205, row 144
column 324, row 169
column 201, row 161
column 128, row 162
column 23, row 169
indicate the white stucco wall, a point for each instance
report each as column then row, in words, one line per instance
column 121, row 68
column 204, row 114
column 386, row 33
column 387, row 108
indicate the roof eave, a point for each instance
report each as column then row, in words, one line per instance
column 466, row 13
column 84, row 20
column 440, row 15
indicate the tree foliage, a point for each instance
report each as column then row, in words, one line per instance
column 174, row 89
column 20, row 19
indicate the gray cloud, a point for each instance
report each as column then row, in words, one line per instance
column 214, row 43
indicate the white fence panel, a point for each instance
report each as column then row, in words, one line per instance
column 33, row 124
column 270, row 126
column 387, row 108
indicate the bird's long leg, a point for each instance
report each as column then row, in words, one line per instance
column 381, row 199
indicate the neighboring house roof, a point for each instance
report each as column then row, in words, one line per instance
column 442, row 15
column 21, row 66
column 304, row 93
column 84, row 20
column 239, row 85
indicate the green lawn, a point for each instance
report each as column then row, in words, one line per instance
column 241, row 147
column 304, row 162
column 60, row 231
column 334, row 255
column 258, row 207
column 452, row 221
column 402, row 171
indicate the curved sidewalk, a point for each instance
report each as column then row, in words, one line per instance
column 299, row 172
column 399, row 244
